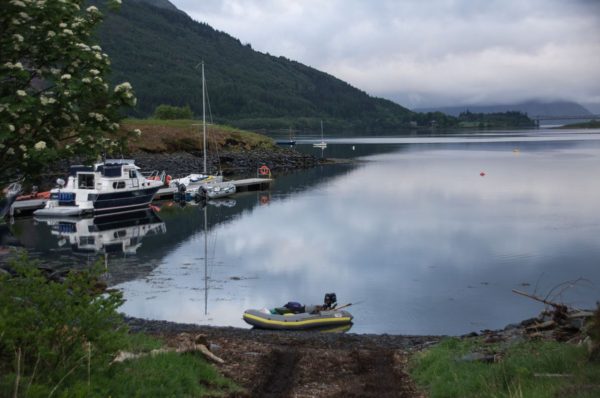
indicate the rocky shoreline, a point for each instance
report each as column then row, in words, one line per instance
column 303, row 364
column 238, row 163
column 311, row 363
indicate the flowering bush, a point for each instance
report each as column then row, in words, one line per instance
column 54, row 100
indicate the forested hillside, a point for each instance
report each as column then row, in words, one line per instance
column 158, row 50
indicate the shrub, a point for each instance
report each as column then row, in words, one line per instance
column 173, row 112
column 52, row 331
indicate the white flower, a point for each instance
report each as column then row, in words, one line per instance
column 98, row 56
column 137, row 132
column 10, row 151
column 99, row 117
column 18, row 65
column 11, row 127
column 18, row 38
column 67, row 31
column 92, row 9
column 17, row 3
column 23, row 148
column 51, row 33
column 97, row 48
column 23, row 15
column 40, row 145
column 62, row 25
column 126, row 86
column 94, row 72
column 25, row 155
column 66, row 76
column 86, row 80
column 43, row 100
column 21, row 93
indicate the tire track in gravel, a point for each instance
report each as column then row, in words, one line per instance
column 279, row 370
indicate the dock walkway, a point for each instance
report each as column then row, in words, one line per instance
column 26, row 207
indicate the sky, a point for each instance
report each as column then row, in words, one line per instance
column 429, row 53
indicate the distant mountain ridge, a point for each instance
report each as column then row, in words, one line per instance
column 158, row 48
column 166, row 4
column 531, row 108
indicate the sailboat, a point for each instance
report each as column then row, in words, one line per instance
column 290, row 141
column 204, row 185
column 321, row 144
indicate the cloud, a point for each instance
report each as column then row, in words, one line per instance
column 420, row 53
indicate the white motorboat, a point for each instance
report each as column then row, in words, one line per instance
column 115, row 185
column 321, row 144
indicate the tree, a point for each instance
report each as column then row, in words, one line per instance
column 173, row 112
column 54, row 100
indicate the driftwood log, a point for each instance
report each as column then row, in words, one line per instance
column 186, row 343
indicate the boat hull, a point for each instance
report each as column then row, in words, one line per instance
column 301, row 321
column 103, row 203
column 123, row 201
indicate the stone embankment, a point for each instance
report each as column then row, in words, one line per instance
column 231, row 163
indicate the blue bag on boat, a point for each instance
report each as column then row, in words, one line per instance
column 294, row 306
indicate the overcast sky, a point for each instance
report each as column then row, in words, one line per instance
column 427, row 53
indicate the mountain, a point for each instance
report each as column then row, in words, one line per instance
column 531, row 108
column 158, row 48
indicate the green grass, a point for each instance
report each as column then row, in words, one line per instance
column 439, row 373
column 163, row 375
column 186, row 135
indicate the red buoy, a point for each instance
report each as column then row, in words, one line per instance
column 482, row 174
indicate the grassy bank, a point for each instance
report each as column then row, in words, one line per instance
column 526, row 369
column 592, row 124
column 58, row 338
column 186, row 135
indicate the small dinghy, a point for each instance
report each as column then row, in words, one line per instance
column 294, row 316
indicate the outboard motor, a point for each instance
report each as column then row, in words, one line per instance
column 330, row 301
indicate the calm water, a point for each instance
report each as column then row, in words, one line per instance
column 411, row 229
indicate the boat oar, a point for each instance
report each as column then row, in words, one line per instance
column 346, row 305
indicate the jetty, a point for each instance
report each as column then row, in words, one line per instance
column 26, row 207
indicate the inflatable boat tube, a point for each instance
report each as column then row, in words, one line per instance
column 301, row 321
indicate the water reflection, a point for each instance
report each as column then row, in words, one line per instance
column 413, row 229
column 121, row 233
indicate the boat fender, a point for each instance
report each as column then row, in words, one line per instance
column 168, row 180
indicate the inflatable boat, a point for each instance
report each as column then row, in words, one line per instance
column 305, row 320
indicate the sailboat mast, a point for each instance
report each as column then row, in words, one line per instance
column 203, row 118
column 322, row 131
